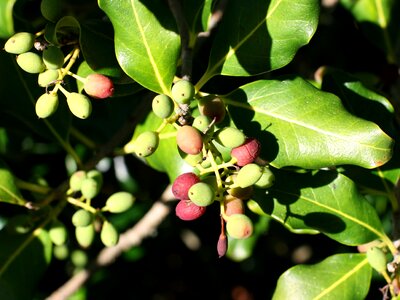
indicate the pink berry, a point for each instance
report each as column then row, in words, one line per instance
column 189, row 140
column 247, row 152
column 183, row 183
column 98, row 86
column 186, row 210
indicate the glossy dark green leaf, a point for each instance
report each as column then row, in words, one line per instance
column 146, row 41
column 23, row 260
column 302, row 126
column 9, row 192
column 260, row 37
column 6, row 18
column 326, row 201
column 344, row 276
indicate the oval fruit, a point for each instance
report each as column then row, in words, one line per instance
column 189, row 139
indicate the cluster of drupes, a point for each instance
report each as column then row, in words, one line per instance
column 226, row 163
column 52, row 62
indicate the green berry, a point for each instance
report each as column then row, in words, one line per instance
column 146, row 143
column 90, row 188
column 377, row 259
column 46, row 105
column 248, row 175
column 109, row 234
column 203, row 124
column 119, row 202
column 31, row 62
column 76, row 179
column 51, row 9
column 239, row 226
column 60, row 252
column 19, row 43
column 53, row 58
column 79, row 258
column 201, row 194
column 82, row 217
column 230, row 137
column 58, row 233
column 85, row 235
column 183, row 91
column 96, row 175
column 47, row 77
column 79, row 105
column 162, row 106
column 266, row 180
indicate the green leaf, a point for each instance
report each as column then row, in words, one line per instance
column 9, row 192
column 6, row 18
column 299, row 125
column 23, row 261
column 326, row 201
column 342, row 276
column 260, row 37
column 197, row 14
column 146, row 41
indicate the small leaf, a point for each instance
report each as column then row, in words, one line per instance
column 146, row 41
column 9, row 192
column 299, row 125
column 333, row 278
column 6, row 18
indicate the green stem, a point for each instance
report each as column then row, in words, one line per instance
column 36, row 188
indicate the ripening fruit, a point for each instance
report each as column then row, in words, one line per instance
column 189, row 139
column 162, row 106
column 19, row 43
column 98, row 86
column 233, row 205
column 82, row 217
column 53, row 57
column 58, row 232
column 201, row 194
column 182, row 91
column 79, row 105
column 239, row 226
column 90, row 188
column 46, row 105
column 377, row 259
column 230, row 137
column 85, row 235
column 51, row 9
column 183, row 183
column 266, row 180
column 109, row 234
column 31, row 62
column 186, row 210
column 248, row 175
column 247, row 152
column 203, row 124
column 47, row 77
column 146, row 143
column 212, row 107
column 76, row 179
column 119, row 202
column 222, row 245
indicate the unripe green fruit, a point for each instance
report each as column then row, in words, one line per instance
column 183, row 91
column 248, row 175
column 109, row 234
column 19, row 43
column 201, row 194
column 119, row 202
column 79, row 258
column 98, row 86
column 90, row 188
column 47, row 77
column 58, row 233
column 146, row 143
column 266, row 180
column 162, row 106
column 46, row 105
column 31, row 62
column 377, row 259
column 203, row 124
column 51, row 9
column 96, row 175
column 60, row 252
column 76, row 179
column 230, row 137
column 85, row 235
column 189, row 140
column 239, row 226
column 82, row 217
column 191, row 159
column 53, row 57
column 212, row 107
column 79, row 105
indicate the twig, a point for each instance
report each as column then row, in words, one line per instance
column 132, row 237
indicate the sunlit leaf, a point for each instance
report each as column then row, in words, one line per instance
column 9, row 192
column 6, row 18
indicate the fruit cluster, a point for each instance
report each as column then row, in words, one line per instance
column 226, row 163
column 52, row 62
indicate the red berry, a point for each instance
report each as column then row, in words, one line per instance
column 189, row 140
column 98, row 86
column 247, row 152
column 186, row 210
column 183, row 183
